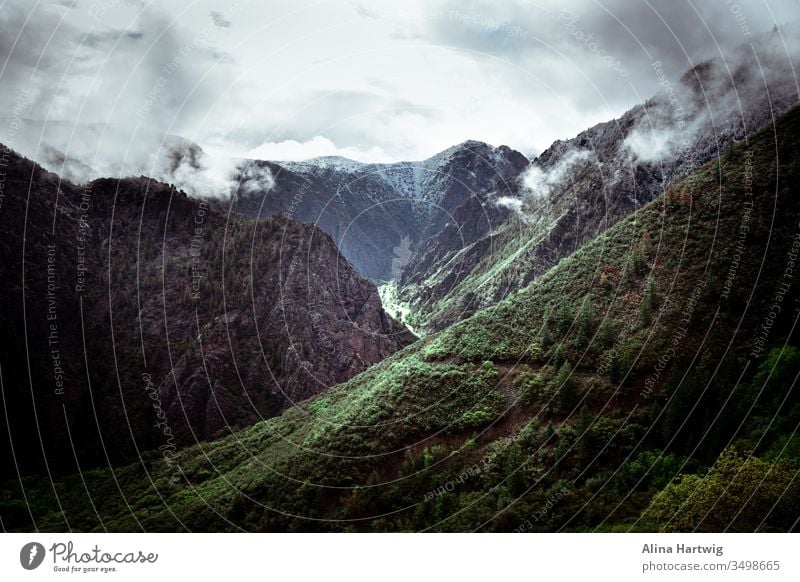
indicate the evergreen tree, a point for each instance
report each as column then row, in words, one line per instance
column 564, row 384
column 606, row 334
column 649, row 301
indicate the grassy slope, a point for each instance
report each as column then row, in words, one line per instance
column 548, row 411
column 513, row 245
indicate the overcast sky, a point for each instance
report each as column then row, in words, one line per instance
column 373, row 81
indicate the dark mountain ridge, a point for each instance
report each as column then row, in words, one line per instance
column 631, row 387
column 141, row 318
column 578, row 188
column 370, row 209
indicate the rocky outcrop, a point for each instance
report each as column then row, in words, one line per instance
column 578, row 188
column 307, row 322
column 145, row 319
column 371, row 209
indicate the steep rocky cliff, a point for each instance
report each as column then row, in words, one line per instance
column 578, row 188
column 371, row 209
column 648, row 382
column 140, row 318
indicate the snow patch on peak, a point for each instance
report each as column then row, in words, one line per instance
column 469, row 145
column 337, row 163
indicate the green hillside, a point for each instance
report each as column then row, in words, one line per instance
column 646, row 382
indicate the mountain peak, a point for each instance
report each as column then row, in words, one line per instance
column 495, row 154
column 339, row 163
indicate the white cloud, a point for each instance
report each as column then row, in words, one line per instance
column 539, row 181
column 216, row 176
column 299, row 78
column 651, row 145
column 509, row 202
column 291, row 150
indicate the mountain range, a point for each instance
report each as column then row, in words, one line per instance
column 632, row 386
column 601, row 338
column 146, row 318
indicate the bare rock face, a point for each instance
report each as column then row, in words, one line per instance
column 370, row 209
column 148, row 320
column 307, row 323
column 509, row 235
